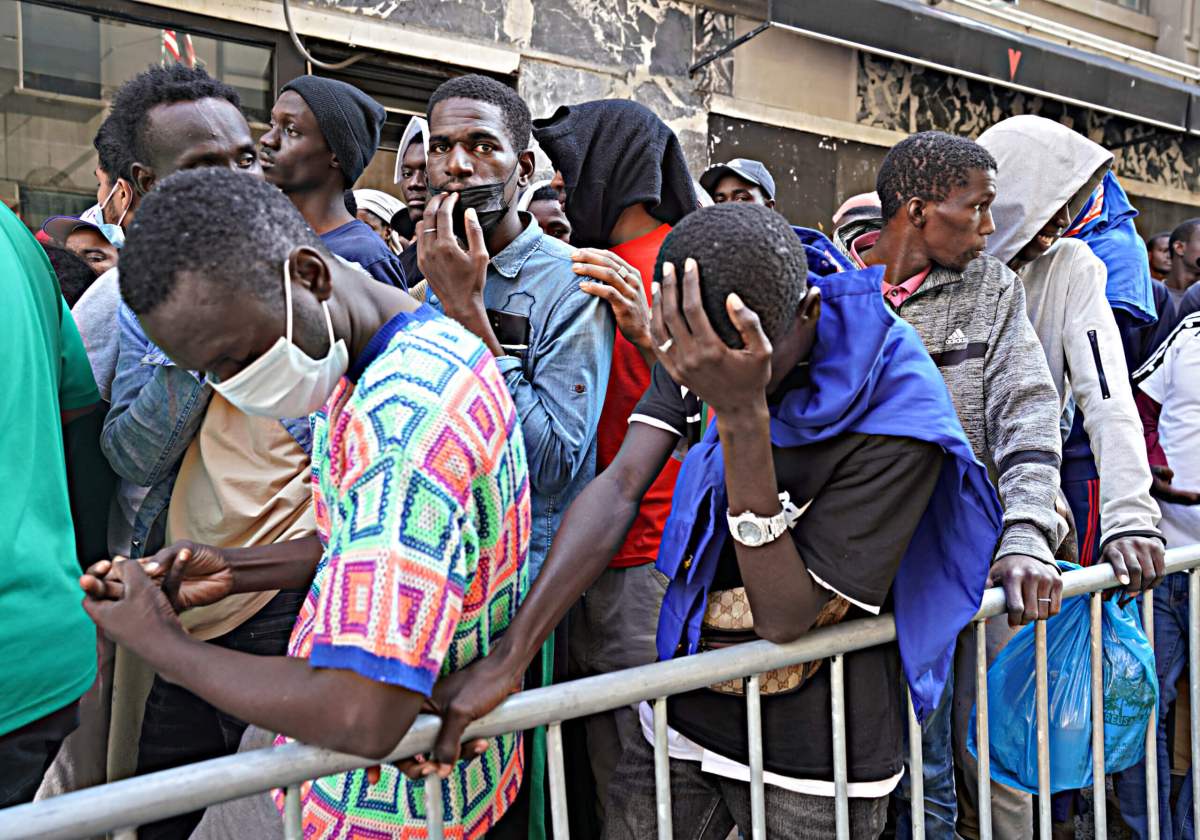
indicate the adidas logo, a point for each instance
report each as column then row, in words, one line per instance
column 956, row 338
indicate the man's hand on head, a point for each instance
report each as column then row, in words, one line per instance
column 696, row 357
column 128, row 606
column 1032, row 589
column 1139, row 562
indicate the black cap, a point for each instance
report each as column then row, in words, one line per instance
column 349, row 119
column 744, row 168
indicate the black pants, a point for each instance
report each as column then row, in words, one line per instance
column 179, row 728
column 26, row 753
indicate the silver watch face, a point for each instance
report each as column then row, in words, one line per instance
column 749, row 533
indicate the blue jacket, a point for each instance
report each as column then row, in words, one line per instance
column 1105, row 223
column 870, row 374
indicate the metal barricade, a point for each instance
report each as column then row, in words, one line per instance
column 120, row 805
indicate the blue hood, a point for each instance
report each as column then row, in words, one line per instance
column 1106, row 224
column 823, row 256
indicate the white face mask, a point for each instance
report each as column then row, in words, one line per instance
column 285, row 382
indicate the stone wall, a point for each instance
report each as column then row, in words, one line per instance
column 903, row 97
column 580, row 50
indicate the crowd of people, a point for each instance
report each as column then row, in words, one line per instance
column 328, row 457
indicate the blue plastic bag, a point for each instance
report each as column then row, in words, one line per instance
column 1130, row 696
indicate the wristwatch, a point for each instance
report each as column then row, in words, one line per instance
column 752, row 530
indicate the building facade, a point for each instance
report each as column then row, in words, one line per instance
column 819, row 89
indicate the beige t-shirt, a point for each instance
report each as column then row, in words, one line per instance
column 244, row 481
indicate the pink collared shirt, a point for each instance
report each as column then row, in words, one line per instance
column 894, row 295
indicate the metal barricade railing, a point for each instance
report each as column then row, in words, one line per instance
column 117, row 806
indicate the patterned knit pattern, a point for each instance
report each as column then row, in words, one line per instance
column 422, row 500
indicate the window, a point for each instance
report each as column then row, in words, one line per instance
column 59, row 67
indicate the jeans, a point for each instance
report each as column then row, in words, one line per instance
column 27, row 752
column 180, row 728
column 708, row 807
column 1171, row 658
column 937, row 748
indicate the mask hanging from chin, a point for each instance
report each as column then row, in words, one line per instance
column 115, row 234
column 286, row 382
column 489, row 202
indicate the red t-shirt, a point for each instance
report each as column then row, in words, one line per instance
column 627, row 382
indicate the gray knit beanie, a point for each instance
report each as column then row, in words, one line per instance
column 349, row 119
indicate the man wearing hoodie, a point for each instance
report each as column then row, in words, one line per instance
column 414, row 189
column 936, row 191
column 1045, row 170
column 627, row 184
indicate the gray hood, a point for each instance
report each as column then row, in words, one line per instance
column 1042, row 165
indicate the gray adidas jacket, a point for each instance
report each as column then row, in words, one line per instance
column 974, row 326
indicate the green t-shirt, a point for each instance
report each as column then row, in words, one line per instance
column 47, row 642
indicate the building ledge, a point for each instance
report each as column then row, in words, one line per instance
column 1013, row 19
column 743, row 109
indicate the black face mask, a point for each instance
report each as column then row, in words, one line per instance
column 487, row 199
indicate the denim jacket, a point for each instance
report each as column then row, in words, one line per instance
column 559, row 380
column 156, row 411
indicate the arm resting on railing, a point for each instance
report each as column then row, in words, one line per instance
column 592, row 530
column 783, row 595
column 278, row 693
